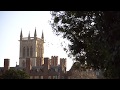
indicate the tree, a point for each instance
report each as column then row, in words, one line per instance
column 94, row 37
column 14, row 74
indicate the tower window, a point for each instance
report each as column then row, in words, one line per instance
column 23, row 51
column 27, row 51
column 23, row 63
column 31, row 51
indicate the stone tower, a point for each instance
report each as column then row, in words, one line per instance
column 33, row 48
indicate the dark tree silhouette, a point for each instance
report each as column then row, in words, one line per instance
column 14, row 74
column 94, row 37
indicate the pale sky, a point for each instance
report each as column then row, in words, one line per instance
column 11, row 23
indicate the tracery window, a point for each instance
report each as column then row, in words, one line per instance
column 23, row 63
column 31, row 51
column 27, row 51
column 23, row 51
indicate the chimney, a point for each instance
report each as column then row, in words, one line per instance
column 55, row 60
column 28, row 65
column 52, row 61
column 63, row 63
column 46, row 64
column 6, row 64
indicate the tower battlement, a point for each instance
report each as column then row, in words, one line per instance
column 33, row 48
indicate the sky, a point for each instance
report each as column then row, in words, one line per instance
column 11, row 23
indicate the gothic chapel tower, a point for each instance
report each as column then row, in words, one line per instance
column 33, row 48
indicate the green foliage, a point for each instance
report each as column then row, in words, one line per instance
column 94, row 37
column 15, row 74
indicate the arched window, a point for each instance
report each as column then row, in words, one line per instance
column 40, row 52
column 27, row 51
column 23, row 51
column 31, row 51
column 23, row 63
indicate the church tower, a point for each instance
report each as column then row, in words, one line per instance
column 33, row 48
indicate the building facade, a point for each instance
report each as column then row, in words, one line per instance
column 32, row 60
column 33, row 48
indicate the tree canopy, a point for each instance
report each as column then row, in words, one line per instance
column 14, row 74
column 94, row 37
